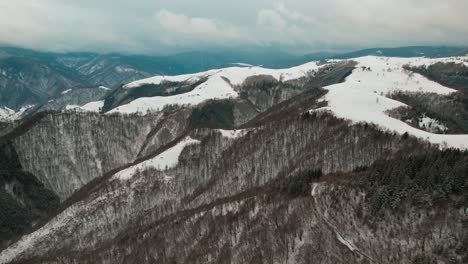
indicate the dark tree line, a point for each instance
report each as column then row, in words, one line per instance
column 219, row 114
column 422, row 181
column 300, row 183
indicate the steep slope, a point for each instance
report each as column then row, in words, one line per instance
column 106, row 70
column 5, row 113
column 205, row 178
column 73, row 98
column 163, row 179
column 65, row 160
column 25, row 81
column 23, row 198
column 30, row 77
column 9, row 115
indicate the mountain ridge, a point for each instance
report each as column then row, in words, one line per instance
column 251, row 165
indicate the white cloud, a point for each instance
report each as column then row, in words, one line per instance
column 271, row 20
column 282, row 25
column 292, row 14
column 55, row 26
column 159, row 25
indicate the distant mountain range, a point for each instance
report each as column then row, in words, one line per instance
column 29, row 77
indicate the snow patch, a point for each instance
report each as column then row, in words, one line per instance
column 122, row 69
column 232, row 134
column 92, row 106
column 104, row 88
column 72, row 107
column 314, row 189
column 166, row 160
column 241, row 64
column 7, row 114
column 66, row 91
column 343, row 241
column 431, row 125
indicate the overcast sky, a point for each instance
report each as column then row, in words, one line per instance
column 160, row 26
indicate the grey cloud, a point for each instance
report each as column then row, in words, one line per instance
column 174, row 27
column 161, row 25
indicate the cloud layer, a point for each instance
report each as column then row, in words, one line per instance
column 149, row 26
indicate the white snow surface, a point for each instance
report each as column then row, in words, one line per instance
column 233, row 134
column 241, row 64
column 190, row 78
column 7, row 114
column 166, row 160
column 122, row 69
column 428, row 61
column 72, row 107
column 104, row 88
column 214, row 88
column 431, row 124
column 92, row 106
column 219, row 85
column 362, row 97
column 345, row 242
column 66, row 91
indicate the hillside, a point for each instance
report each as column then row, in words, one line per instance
column 29, row 77
column 250, row 165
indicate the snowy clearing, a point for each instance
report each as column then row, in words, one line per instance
column 233, row 134
column 92, row 106
column 166, row 160
column 104, row 88
column 66, row 91
column 241, row 64
column 362, row 97
column 430, row 124
column 214, row 88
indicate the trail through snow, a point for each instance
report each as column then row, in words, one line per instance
column 314, row 193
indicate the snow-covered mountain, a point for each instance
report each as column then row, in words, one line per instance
column 365, row 96
column 7, row 114
column 250, row 165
